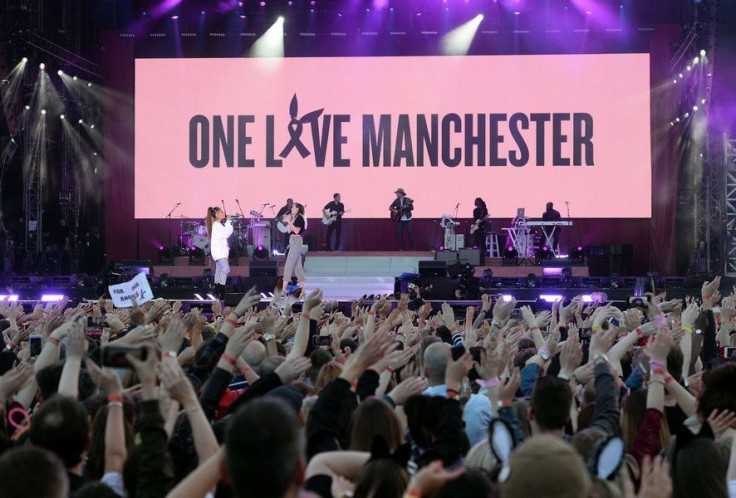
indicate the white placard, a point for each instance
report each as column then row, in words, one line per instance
column 138, row 288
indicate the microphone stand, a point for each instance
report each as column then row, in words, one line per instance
column 240, row 231
column 171, row 250
column 569, row 229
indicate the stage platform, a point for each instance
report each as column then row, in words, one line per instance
column 349, row 275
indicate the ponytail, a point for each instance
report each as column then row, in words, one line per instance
column 209, row 220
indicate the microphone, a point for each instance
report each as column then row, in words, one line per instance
column 237, row 202
column 178, row 203
column 457, row 206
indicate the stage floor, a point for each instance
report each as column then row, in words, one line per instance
column 326, row 263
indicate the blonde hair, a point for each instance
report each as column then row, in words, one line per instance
column 480, row 457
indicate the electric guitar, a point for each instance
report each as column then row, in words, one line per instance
column 476, row 225
column 329, row 219
column 397, row 213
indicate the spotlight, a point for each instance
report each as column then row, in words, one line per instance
column 677, row 120
column 680, row 75
column 696, row 60
column 43, row 111
column 42, row 66
column 263, row 4
column 695, row 108
column 28, row 107
column 280, row 19
column 175, row 17
column 61, row 117
column 510, row 256
column 689, row 68
column 576, row 255
column 687, row 114
column 80, row 121
column 75, row 78
column 702, row 53
column 201, row 12
column 24, row 59
column 89, row 84
column 441, row 248
column 702, row 101
column 260, row 252
column 674, row 81
column 59, row 72
column 91, row 126
column 545, row 253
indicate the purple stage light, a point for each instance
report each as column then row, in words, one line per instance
column 545, row 247
column 441, row 248
column 160, row 248
column 550, row 298
column 260, row 247
column 11, row 297
column 50, row 298
column 175, row 17
column 548, row 271
column 580, row 248
column 507, row 297
column 263, row 4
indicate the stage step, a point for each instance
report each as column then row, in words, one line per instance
column 363, row 265
column 352, row 287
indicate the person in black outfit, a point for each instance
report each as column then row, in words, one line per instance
column 337, row 209
column 403, row 206
column 480, row 213
column 552, row 214
column 282, row 239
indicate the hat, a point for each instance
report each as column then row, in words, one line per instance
column 546, row 465
column 400, row 191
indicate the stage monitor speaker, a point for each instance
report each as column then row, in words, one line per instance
column 446, row 256
column 470, row 256
column 433, row 268
column 263, row 268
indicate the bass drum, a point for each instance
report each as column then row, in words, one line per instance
column 201, row 242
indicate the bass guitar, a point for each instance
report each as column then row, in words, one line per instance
column 329, row 219
column 476, row 225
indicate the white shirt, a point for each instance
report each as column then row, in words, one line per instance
column 218, row 244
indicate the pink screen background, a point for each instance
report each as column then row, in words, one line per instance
column 613, row 88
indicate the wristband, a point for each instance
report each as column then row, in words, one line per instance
column 687, row 330
column 706, row 296
column 452, row 394
column 506, row 403
column 412, row 493
column 229, row 359
column 638, row 331
column 390, row 369
column 169, row 354
column 372, row 313
column 115, row 403
column 668, row 379
column 597, row 327
column 54, row 340
column 114, row 398
column 656, row 364
column 536, row 327
column 232, row 322
column 305, row 315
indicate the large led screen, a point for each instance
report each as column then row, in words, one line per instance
column 518, row 131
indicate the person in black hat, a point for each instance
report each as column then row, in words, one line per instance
column 401, row 210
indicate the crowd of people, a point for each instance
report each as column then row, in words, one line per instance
column 281, row 400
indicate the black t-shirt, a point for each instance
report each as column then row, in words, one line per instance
column 479, row 213
column 284, row 210
column 551, row 215
column 337, row 207
column 298, row 222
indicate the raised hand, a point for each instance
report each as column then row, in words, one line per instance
column 292, row 368
column 406, row 389
column 15, row 378
column 250, row 299
column 104, row 378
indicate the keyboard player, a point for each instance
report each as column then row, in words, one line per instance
column 551, row 214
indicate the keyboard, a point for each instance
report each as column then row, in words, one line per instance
column 561, row 223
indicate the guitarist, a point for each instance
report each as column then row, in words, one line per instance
column 479, row 227
column 334, row 210
column 401, row 210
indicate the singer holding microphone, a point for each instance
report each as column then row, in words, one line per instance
column 219, row 228
column 297, row 223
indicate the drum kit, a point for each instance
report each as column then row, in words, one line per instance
column 251, row 230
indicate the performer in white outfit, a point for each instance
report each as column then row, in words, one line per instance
column 219, row 228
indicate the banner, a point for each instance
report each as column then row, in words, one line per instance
column 517, row 131
column 138, row 289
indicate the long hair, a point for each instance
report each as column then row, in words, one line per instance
column 481, row 204
column 210, row 219
column 300, row 212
